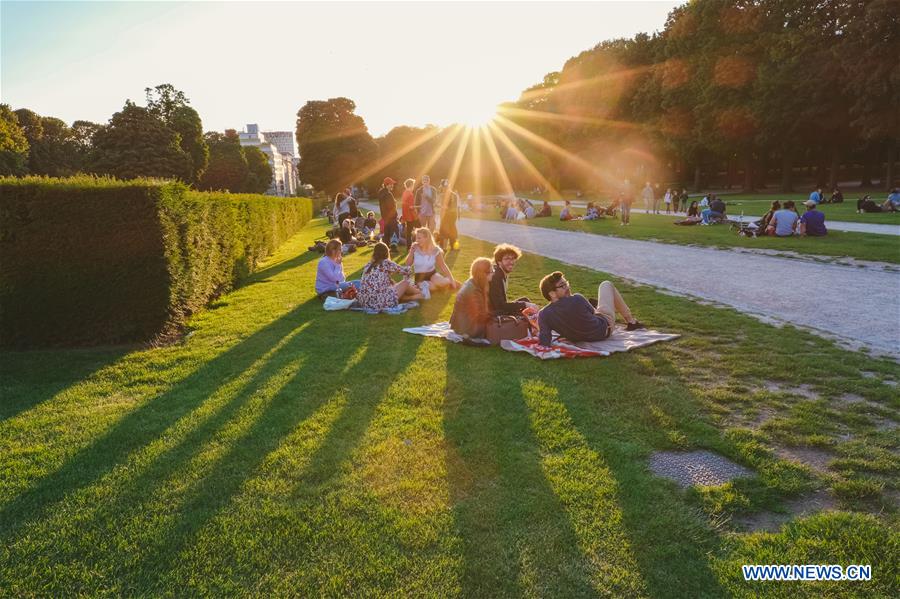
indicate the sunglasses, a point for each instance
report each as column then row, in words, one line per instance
column 562, row 285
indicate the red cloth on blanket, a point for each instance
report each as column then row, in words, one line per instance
column 531, row 345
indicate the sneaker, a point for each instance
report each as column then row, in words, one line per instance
column 425, row 288
column 633, row 326
column 456, row 245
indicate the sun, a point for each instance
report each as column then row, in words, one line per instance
column 477, row 117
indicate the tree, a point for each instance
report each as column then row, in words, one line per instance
column 259, row 172
column 13, row 144
column 334, row 143
column 173, row 108
column 228, row 169
column 137, row 144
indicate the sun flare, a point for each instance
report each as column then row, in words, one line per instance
column 477, row 117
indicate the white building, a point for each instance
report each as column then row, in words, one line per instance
column 281, row 150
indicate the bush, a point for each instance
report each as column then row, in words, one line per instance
column 97, row 260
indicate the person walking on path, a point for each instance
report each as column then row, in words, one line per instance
column 408, row 207
column 573, row 316
column 647, row 196
column 388, row 207
column 425, row 201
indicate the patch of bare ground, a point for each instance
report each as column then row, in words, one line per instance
column 803, row 390
column 805, row 505
column 816, row 459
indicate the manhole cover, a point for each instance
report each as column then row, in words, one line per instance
column 696, row 468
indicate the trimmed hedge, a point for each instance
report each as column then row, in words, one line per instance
column 90, row 260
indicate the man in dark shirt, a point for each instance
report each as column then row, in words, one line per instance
column 505, row 258
column 812, row 223
column 573, row 316
column 388, row 207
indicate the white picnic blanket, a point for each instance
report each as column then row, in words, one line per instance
column 619, row 341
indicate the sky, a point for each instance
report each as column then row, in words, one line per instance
column 403, row 63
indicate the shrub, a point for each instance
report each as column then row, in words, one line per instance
column 97, row 260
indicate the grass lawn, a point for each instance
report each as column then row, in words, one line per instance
column 862, row 246
column 284, row 450
column 757, row 204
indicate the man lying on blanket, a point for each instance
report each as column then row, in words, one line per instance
column 573, row 316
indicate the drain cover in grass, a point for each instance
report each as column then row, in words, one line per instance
column 696, row 468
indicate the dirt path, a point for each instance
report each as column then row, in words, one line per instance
column 857, row 306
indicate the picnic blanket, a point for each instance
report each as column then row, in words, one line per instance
column 398, row 309
column 620, row 341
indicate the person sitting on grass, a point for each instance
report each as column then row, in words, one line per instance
column 545, row 210
column 592, row 212
column 812, row 223
column 370, row 225
column 715, row 212
column 573, row 316
column 427, row 259
column 892, row 204
column 693, row 210
column 783, row 222
column 505, row 258
column 837, row 196
column 763, row 223
column 330, row 279
column 376, row 290
column 566, row 213
column 471, row 313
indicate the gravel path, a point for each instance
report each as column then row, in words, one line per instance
column 857, row 306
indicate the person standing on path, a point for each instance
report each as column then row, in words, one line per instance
column 388, row 207
column 647, row 196
column 667, row 200
column 449, row 217
column 626, row 199
column 426, row 198
column 409, row 214
column 573, row 316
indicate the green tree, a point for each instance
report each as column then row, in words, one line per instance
column 173, row 108
column 13, row 144
column 228, row 169
column 135, row 143
column 334, row 143
column 259, row 172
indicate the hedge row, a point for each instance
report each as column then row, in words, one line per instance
column 90, row 260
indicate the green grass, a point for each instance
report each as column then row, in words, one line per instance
column 283, row 450
column 862, row 246
column 757, row 204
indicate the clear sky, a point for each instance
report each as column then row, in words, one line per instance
column 402, row 63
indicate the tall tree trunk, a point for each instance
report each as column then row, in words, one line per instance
column 787, row 172
column 697, row 174
column 835, row 166
column 866, row 177
column 748, row 170
column 889, row 169
column 762, row 168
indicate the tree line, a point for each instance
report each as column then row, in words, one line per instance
column 731, row 93
column 163, row 139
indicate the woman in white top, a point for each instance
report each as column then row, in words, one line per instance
column 668, row 200
column 427, row 260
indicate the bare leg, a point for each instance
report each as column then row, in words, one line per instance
column 438, row 282
column 406, row 291
column 610, row 302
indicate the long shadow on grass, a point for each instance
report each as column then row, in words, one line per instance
column 147, row 422
column 388, row 352
column 515, row 534
column 669, row 542
column 280, row 267
column 38, row 376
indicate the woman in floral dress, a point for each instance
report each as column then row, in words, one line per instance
column 377, row 290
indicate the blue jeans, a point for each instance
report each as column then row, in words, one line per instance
column 347, row 284
column 708, row 214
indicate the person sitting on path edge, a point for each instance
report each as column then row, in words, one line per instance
column 471, row 313
column 505, row 258
column 573, row 316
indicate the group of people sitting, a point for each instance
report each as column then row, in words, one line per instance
column 892, row 204
column 521, row 209
column 784, row 221
column 481, row 298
